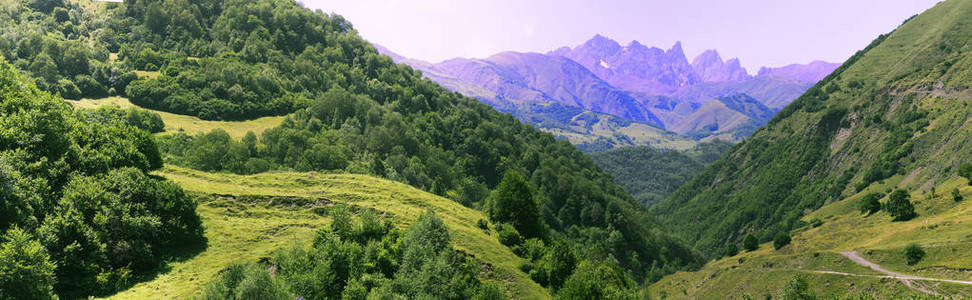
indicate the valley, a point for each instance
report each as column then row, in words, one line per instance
column 231, row 149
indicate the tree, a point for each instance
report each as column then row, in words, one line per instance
column 731, row 249
column 899, row 206
column 956, row 195
column 781, row 240
column 155, row 18
column 966, row 171
column 797, row 289
column 26, row 270
column 869, row 204
column 562, row 263
column 45, row 6
column 750, row 242
column 914, row 253
column 512, row 202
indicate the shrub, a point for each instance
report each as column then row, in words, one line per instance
column 869, row 204
column 731, row 249
column 750, row 242
column 482, row 224
column 956, row 195
column 781, row 240
column 797, row 289
column 513, row 202
column 508, row 235
column 914, row 253
column 26, row 270
column 966, row 171
column 900, row 207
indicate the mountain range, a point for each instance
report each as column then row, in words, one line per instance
column 633, row 94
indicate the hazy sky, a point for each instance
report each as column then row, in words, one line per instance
column 759, row 32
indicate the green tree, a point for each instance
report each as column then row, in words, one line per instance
column 512, row 202
column 966, row 171
column 26, row 270
column 956, row 195
column 750, row 243
column 870, row 204
column 913, row 254
column 781, row 240
column 797, row 289
column 562, row 263
column 156, row 18
column 899, row 206
column 731, row 249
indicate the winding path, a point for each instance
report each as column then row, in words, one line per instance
column 908, row 280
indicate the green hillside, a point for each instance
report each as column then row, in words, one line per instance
column 941, row 229
column 650, row 174
column 248, row 218
column 896, row 111
column 268, row 87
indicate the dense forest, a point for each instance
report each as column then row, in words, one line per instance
column 348, row 109
column 80, row 214
column 650, row 174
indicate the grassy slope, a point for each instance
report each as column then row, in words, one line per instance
column 943, row 228
column 241, row 232
column 795, row 164
column 189, row 124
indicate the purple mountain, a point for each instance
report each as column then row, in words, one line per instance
column 645, row 85
column 532, row 77
column 710, row 68
column 813, row 72
column 634, row 67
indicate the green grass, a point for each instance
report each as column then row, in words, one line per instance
column 244, row 231
column 189, row 124
column 942, row 228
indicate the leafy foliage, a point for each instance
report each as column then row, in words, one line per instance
column 651, row 174
column 26, row 270
column 913, row 254
column 362, row 258
column 781, row 240
column 966, row 171
column 750, row 243
column 512, row 202
column 899, row 206
column 80, row 188
column 870, row 204
column 797, row 289
column 956, row 195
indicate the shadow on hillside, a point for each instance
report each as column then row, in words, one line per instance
column 186, row 248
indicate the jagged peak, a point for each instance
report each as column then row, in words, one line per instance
column 676, row 50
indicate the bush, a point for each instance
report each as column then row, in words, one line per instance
column 731, row 249
column 966, row 171
column 797, row 289
column 914, row 253
column 956, row 195
column 508, row 235
column 482, row 224
column 781, row 240
column 900, row 207
column 513, row 202
column 750, row 242
column 26, row 271
column 870, row 204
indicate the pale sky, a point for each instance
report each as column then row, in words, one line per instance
column 758, row 32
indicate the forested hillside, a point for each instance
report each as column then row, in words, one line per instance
column 650, row 174
column 349, row 110
column 897, row 112
column 79, row 213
